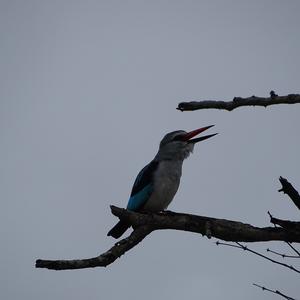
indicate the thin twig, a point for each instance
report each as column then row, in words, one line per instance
column 271, row 218
column 274, row 292
column 268, row 258
column 293, row 248
column 240, row 246
column 282, row 254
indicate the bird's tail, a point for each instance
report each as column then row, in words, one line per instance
column 118, row 229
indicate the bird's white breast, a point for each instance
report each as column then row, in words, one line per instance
column 166, row 183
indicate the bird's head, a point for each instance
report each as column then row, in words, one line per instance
column 177, row 145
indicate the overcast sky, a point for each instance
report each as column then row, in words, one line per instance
column 88, row 89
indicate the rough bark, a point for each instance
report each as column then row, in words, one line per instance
column 239, row 102
column 103, row 259
column 145, row 223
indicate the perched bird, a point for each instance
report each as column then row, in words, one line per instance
column 158, row 182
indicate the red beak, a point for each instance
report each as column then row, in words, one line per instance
column 188, row 137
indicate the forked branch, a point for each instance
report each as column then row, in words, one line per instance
column 145, row 223
column 103, row 259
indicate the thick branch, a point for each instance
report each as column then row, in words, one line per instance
column 102, row 260
column 239, row 101
column 225, row 230
column 144, row 223
column 288, row 189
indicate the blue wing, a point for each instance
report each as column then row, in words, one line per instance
column 142, row 187
column 137, row 201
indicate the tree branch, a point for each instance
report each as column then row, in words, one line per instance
column 245, row 248
column 274, row 292
column 293, row 248
column 288, row 189
column 102, row 260
column 145, row 223
column 287, row 224
column 239, row 101
column 283, row 255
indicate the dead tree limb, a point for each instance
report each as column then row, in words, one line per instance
column 145, row 223
column 239, row 102
column 102, row 260
column 246, row 248
column 288, row 189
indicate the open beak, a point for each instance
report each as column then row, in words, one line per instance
column 188, row 137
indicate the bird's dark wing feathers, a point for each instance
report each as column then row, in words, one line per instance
column 144, row 178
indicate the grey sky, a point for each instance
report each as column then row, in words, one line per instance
column 87, row 90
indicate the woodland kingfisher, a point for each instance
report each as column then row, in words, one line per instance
column 157, row 183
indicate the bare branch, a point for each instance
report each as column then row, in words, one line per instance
column 293, row 248
column 245, row 248
column 145, row 223
column 223, row 229
column 274, row 221
column 274, row 292
column 288, row 189
column 282, row 254
column 239, row 101
column 102, row 260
